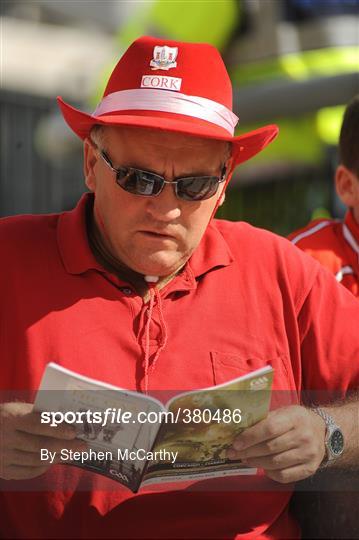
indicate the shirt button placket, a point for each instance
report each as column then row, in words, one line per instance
column 126, row 291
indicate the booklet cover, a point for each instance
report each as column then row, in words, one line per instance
column 136, row 440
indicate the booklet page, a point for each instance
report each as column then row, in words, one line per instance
column 116, row 438
column 207, row 422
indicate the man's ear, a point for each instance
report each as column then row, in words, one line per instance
column 222, row 199
column 90, row 160
column 229, row 166
column 347, row 187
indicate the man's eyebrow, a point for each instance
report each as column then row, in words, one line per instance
column 217, row 171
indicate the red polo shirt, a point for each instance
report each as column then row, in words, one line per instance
column 335, row 244
column 246, row 298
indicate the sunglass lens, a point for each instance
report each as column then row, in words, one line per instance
column 197, row 189
column 139, row 182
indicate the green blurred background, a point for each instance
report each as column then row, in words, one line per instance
column 292, row 62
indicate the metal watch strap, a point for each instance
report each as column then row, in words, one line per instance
column 329, row 424
column 326, row 417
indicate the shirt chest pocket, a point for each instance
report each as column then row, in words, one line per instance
column 228, row 366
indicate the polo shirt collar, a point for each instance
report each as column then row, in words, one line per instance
column 72, row 239
column 212, row 252
column 351, row 231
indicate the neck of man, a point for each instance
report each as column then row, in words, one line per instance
column 115, row 266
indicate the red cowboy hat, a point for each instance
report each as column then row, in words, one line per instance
column 172, row 86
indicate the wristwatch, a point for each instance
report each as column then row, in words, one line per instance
column 334, row 438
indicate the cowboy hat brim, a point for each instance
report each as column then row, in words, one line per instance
column 244, row 146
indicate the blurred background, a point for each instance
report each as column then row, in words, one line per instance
column 292, row 62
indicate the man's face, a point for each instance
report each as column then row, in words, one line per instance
column 152, row 235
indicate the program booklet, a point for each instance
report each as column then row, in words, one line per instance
column 135, row 439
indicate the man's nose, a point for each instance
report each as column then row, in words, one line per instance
column 166, row 206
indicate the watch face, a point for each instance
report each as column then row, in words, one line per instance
column 336, row 442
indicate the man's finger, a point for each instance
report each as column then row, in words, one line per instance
column 22, row 472
column 292, row 474
column 283, row 460
column 273, row 426
column 34, row 443
column 31, row 423
column 270, row 447
column 19, row 457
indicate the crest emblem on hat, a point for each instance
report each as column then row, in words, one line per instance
column 164, row 57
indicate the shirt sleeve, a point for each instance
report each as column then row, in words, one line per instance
column 329, row 328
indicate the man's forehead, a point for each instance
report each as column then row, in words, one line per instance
column 153, row 137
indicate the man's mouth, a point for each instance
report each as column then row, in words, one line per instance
column 158, row 235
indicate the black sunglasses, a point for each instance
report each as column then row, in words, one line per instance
column 148, row 184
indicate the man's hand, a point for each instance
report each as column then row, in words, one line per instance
column 288, row 444
column 21, row 438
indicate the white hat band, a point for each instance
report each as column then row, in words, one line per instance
column 169, row 101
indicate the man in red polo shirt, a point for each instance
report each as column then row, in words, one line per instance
column 140, row 287
column 335, row 243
